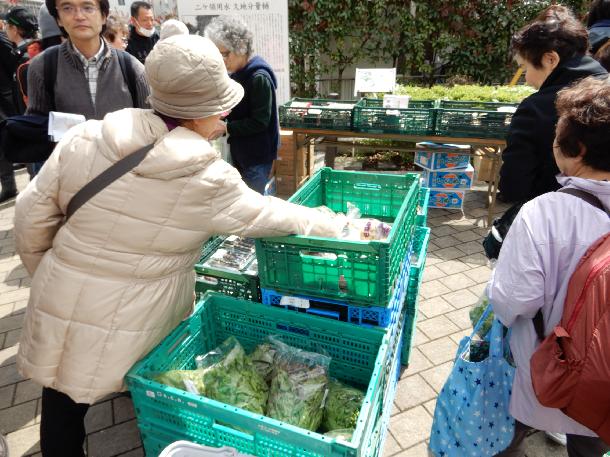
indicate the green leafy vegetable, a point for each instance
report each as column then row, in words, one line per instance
column 262, row 359
column 189, row 380
column 475, row 314
column 342, row 406
column 298, row 387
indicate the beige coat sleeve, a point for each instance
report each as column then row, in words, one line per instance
column 37, row 214
column 237, row 209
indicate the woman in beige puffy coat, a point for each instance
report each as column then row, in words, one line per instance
column 116, row 278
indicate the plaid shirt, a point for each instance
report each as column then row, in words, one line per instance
column 92, row 67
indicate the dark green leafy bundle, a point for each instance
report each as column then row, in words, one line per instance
column 230, row 377
column 475, row 314
column 342, row 407
column 263, row 358
column 298, row 387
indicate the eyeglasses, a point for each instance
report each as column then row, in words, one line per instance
column 70, row 10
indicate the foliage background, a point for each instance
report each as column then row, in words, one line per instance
column 470, row 38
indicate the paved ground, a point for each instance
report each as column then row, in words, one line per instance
column 455, row 275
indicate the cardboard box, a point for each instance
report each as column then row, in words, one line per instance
column 483, row 165
column 458, row 178
column 428, row 158
column 447, row 198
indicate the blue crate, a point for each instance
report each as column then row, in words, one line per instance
column 368, row 316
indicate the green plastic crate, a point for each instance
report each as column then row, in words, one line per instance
column 418, row 262
column 422, row 209
column 370, row 116
column 368, row 269
column 360, row 356
column 409, row 335
column 238, row 285
column 472, row 119
column 320, row 115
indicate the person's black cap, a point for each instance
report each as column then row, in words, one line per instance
column 22, row 18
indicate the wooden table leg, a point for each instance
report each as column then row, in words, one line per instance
column 492, row 188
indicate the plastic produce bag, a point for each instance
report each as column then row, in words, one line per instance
column 230, row 377
column 263, row 358
column 189, row 380
column 475, row 314
column 298, row 386
column 342, row 434
column 363, row 229
column 342, row 407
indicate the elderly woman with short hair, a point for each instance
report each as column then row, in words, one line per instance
column 546, row 242
column 253, row 125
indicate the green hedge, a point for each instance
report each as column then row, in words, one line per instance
column 509, row 94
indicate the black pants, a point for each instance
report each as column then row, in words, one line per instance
column 62, row 425
column 577, row 445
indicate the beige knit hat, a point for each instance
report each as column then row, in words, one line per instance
column 188, row 78
column 172, row 27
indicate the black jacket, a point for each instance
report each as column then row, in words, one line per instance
column 140, row 46
column 529, row 168
column 8, row 65
column 599, row 33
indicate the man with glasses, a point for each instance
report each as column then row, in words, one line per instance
column 142, row 33
column 92, row 79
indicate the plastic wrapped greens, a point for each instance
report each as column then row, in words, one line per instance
column 230, row 377
column 477, row 311
column 262, row 359
column 342, row 407
column 298, row 386
column 342, row 434
column 189, row 380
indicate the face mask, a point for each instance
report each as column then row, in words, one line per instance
column 146, row 32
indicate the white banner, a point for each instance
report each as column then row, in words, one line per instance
column 268, row 21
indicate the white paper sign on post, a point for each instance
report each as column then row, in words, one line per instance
column 268, row 20
column 375, row 80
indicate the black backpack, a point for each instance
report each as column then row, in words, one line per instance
column 24, row 138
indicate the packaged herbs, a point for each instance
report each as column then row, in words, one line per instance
column 298, row 386
column 342, row 407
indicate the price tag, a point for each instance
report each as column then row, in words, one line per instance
column 295, row 302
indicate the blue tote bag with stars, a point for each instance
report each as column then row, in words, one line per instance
column 471, row 417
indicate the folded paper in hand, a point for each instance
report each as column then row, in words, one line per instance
column 60, row 123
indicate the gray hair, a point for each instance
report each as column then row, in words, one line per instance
column 230, row 33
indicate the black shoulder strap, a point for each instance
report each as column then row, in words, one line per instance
column 583, row 195
column 51, row 55
column 105, row 178
column 129, row 75
column 593, row 201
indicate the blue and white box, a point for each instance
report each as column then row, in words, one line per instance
column 456, row 178
column 428, row 158
column 447, row 198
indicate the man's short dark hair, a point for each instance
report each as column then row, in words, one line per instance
column 555, row 29
column 600, row 10
column 52, row 7
column 584, row 120
column 135, row 8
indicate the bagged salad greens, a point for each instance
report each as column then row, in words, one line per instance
column 262, row 359
column 230, row 377
column 342, row 406
column 224, row 374
column 477, row 311
column 298, row 386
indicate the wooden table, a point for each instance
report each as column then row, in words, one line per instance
column 492, row 149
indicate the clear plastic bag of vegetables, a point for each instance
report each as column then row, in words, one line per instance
column 263, row 358
column 298, row 386
column 342, row 406
column 189, row 380
column 342, row 434
column 230, row 377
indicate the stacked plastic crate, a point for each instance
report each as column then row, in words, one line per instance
column 446, row 171
column 365, row 284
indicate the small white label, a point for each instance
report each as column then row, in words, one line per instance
column 190, row 386
column 207, row 279
column 295, row 302
column 150, row 393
